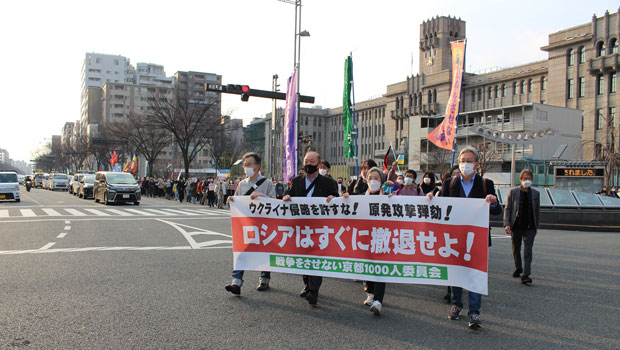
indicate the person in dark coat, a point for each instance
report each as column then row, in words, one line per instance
column 469, row 185
column 312, row 184
column 360, row 186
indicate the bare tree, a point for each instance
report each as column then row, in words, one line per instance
column 440, row 159
column 609, row 150
column 487, row 154
column 193, row 123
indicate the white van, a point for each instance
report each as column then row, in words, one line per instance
column 9, row 186
column 58, row 181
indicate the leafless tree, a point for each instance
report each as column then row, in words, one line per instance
column 487, row 154
column 440, row 159
column 608, row 150
column 193, row 123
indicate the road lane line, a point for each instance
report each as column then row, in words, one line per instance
column 27, row 212
column 28, row 197
column 67, row 222
column 4, row 213
column 47, row 246
column 140, row 212
column 120, row 212
column 182, row 212
column 74, row 212
column 67, row 228
column 97, row 212
column 62, row 235
column 51, row 212
column 158, row 212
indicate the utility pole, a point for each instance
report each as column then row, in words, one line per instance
column 271, row 141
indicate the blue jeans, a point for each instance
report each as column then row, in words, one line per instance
column 238, row 277
column 475, row 300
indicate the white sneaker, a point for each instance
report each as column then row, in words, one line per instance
column 376, row 307
column 369, row 299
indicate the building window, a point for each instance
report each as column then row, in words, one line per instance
column 434, row 95
column 503, row 90
column 612, row 116
column 415, row 99
column 600, row 49
column 514, row 88
column 490, row 93
column 571, row 57
column 582, row 55
column 473, row 96
column 430, row 97
column 582, row 87
column 599, row 119
column 397, row 103
column 612, row 82
column 571, row 88
column 613, row 43
column 496, row 91
column 522, row 86
column 543, row 83
column 479, row 94
column 600, row 81
column 530, row 87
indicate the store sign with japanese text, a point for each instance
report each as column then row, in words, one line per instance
column 443, row 241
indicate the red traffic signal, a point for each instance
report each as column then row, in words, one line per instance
column 245, row 88
column 245, row 93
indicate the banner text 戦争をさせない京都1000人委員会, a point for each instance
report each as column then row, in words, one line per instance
column 443, row 241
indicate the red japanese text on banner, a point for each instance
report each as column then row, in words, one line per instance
column 443, row 241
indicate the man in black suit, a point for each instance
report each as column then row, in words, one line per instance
column 312, row 184
column 468, row 184
column 521, row 217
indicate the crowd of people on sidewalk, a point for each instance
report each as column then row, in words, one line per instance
column 520, row 215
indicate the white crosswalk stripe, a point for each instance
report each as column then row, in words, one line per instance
column 109, row 212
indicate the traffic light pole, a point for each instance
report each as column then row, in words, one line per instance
column 237, row 90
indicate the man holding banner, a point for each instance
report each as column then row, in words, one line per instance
column 312, row 184
column 254, row 185
column 469, row 185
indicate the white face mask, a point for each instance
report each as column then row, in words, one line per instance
column 374, row 185
column 249, row 172
column 527, row 183
column 399, row 181
column 427, row 180
column 408, row 181
column 466, row 169
column 323, row 172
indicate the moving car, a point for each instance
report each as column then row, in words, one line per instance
column 9, row 186
column 116, row 187
column 85, row 189
column 58, row 182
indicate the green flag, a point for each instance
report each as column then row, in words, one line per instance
column 347, row 114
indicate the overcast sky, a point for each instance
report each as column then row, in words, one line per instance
column 247, row 41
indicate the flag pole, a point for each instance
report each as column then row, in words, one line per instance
column 357, row 165
column 395, row 158
column 456, row 126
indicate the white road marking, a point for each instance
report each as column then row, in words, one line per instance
column 112, row 218
column 47, row 246
column 88, row 249
column 67, row 222
column 140, row 212
column 27, row 212
column 200, row 231
column 158, row 212
column 67, row 228
column 97, row 212
column 119, row 212
column 4, row 213
column 62, row 235
column 74, row 212
column 182, row 212
column 51, row 212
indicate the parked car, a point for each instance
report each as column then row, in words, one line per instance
column 115, row 187
column 58, row 182
column 75, row 180
column 38, row 180
column 85, row 189
column 9, row 186
column 44, row 183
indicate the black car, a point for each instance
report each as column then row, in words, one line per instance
column 116, row 187
column 85, row 187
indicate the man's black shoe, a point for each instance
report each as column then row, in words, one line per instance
column 304, row 292
column 262, row 287
column 517, row 273
column 236, row 290
column 526, row 279
column 312, row 297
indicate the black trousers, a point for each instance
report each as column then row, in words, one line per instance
column 312, row 283
column 376, row 288
column 527, row 236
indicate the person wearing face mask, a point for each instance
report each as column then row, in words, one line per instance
column 324, row 168
column 410, row 188
column 254, row 185
column 375, row 291
column 521, row 220
column 342, row 187
column 360, row 186
column 469, row 185
column 428, row 183
column 312, row 184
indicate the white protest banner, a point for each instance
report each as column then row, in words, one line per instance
column 408, row 239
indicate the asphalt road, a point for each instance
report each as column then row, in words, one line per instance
column 79, row 275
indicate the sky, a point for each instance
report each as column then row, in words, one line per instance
column 43, row 45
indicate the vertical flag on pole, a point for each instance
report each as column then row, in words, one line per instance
column 114, row 159
column 134, row 164
column 386, row 160
column 444, row 134
column 290, row 129
column 347, row 112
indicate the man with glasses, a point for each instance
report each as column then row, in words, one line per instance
column 468, row 184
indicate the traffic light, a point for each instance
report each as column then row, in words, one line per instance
column 245, row 93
